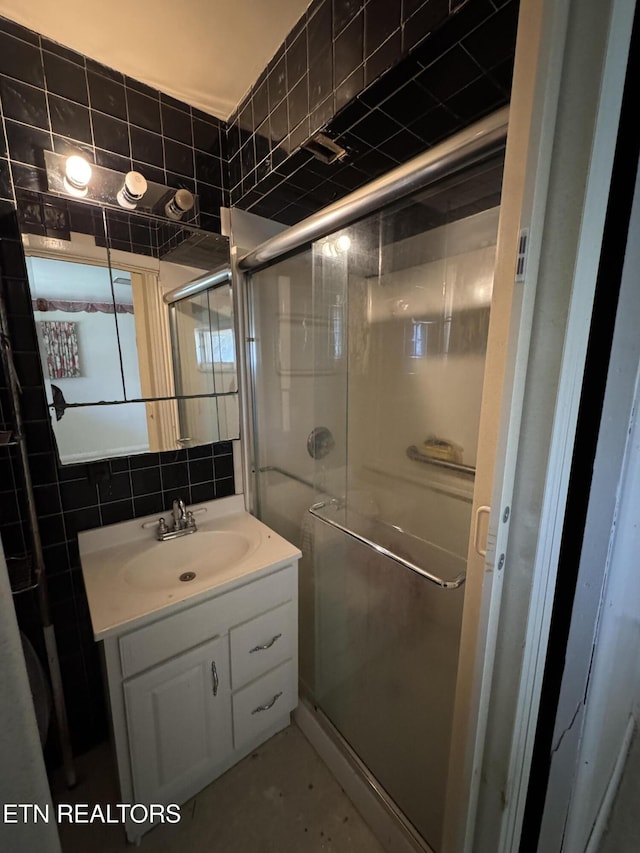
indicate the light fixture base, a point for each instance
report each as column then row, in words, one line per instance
column 105, row 186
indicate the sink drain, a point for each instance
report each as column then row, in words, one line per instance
column 187, row 576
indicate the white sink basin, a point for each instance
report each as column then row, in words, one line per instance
column 187, row 559
column 130, row 577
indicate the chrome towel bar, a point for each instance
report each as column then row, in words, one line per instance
column 441, row 582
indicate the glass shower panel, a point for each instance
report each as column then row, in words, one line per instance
column 386, row 667
column 299, row 414
column 368, row 373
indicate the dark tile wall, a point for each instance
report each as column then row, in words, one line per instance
column 129, row 231
column 53, row 98
column 386, row 79
column 74, row 498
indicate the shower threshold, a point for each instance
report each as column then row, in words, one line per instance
column 392, row 828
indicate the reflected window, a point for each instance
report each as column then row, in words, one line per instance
column 418, row 341
column 215, row 349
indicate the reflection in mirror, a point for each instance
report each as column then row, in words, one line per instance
column 70, row 299
column 85, row 357
column 73, row 304
column 97, row 281
column 204, row 355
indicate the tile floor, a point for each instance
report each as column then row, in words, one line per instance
column 280, row 799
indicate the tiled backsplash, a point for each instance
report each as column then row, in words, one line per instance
column 445, row 65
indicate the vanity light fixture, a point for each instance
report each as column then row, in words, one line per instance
column 337, row 247
column 132, row 190
column 73, row 175
column 77, row 176
column 181, row 202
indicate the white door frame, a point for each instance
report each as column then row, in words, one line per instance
column 577, row 78
column 600, row 682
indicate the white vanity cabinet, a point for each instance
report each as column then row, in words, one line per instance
column 179, row 723
column 199, row 638
column 194, row 691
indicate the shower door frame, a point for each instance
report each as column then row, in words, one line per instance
column 475, row 144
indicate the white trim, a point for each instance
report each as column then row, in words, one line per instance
column 81, row 248
column 565, row 419
column 528, row 156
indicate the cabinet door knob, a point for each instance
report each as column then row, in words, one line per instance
column 266, row 645
column 214, row 676
column 268, row 705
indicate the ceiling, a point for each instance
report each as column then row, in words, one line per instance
column 205, row 52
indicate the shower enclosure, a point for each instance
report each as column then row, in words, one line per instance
column 366, row 358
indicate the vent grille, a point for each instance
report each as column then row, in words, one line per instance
column 324, row 149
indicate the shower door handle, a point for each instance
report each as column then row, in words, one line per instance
column 476, row 530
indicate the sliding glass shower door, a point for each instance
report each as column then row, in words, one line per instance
column 368, row 368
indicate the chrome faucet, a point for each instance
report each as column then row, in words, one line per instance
column 179, row 515
column 182, row 522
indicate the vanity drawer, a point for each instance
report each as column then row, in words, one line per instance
column 262, row 643
column 260, row 704
column 171, row 635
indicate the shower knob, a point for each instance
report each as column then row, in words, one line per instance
column 320, row 442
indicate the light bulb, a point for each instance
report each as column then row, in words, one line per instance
column 181, row 202
column 77, row 176
column 133, row 189
column 343, row 243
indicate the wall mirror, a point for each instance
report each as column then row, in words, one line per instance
column 134, row 321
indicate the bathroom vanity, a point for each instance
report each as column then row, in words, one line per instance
column 199, row 670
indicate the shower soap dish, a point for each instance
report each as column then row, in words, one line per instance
column 439, row 448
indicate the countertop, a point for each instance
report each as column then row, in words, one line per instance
column 117, row 606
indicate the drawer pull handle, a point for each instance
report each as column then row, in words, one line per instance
column 268, row 705
column 214, row 676
column 266, row 645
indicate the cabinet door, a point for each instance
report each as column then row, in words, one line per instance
column 179, row 723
